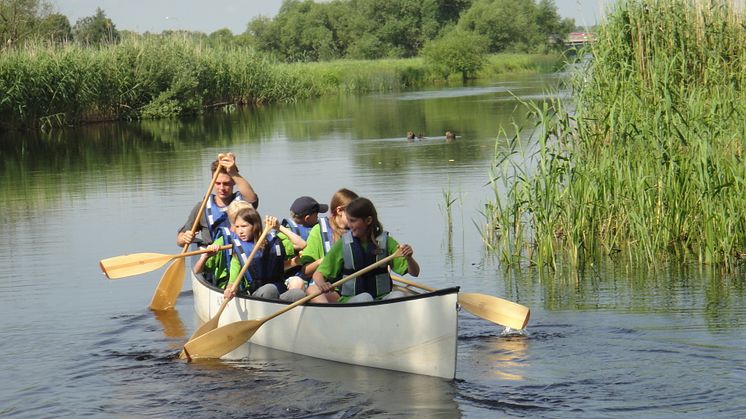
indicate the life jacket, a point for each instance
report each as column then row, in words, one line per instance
column 225, row 234
column 326, row 234
column 376, row 282
column 267, row 265
column 296, row 228
column 217, row 218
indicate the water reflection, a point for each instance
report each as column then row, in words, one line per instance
column 48, row 164
column 171, row 322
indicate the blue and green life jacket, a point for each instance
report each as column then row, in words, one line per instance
column 326, row 234
column 296, row 228
column 217, row 218
column 267, row 265
column 356, row 257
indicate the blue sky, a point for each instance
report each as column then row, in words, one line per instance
column 210, row 15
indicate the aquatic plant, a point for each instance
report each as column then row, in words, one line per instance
column 49, row 86
column 649, row 165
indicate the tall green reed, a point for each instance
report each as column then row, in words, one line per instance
column 163, row 76
column 650, row 163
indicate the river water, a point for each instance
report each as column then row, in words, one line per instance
column 608, row 341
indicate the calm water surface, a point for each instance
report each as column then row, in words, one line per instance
column 608, row 341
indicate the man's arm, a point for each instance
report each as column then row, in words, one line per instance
column 228, row 161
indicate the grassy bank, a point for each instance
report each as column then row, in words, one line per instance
column 154, row 77
column 650, row 165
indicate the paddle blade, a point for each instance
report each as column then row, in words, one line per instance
column 128, row 265
column 496, row 310
column 169, row 287
column 222, row 340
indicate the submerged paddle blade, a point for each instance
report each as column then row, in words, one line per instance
column 222, row 340
column 128, row 265
column 169, row 287
column 496, row 310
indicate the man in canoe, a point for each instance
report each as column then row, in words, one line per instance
column 214, row 216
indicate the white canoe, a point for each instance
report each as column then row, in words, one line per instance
column 415, row 334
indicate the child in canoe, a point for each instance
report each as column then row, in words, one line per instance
column 216, row 265
column 364, row 244
column 320, row 239
column 304, row 215
column 222, row 265
column 326, row 232
column 265, row 276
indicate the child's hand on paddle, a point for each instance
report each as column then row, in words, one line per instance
column 272, row 222
column 212, row 249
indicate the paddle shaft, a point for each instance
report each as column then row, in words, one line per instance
column 201, row 210
column 134, row 261
column 403, row 280
column 239, row 278
column 168, row 288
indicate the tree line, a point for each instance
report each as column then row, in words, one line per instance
column 304, row 30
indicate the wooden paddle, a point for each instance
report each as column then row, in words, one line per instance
column 212, row 324
column 494, row 309
column 172, row 280
column 140, row 263
column 229, row 337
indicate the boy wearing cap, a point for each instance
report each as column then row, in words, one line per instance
column 304, row 214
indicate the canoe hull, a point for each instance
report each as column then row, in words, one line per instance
column 415, row 334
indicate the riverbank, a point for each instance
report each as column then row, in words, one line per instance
column 649, row 166
column 157, row 77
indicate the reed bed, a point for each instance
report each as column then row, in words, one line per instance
column 139, row 78
column 649, row 165
column 161, row 76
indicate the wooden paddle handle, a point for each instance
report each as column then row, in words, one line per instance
column 200, row 251
column 403, row 280
column 201, row 210
column 245, row 266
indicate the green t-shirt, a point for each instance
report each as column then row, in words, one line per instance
column 314, row 249
column 216, row 264
column 333, row 263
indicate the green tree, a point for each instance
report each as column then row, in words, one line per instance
column 307, row 30
column 264, row 34
column 509, row 25
column 96, row 30
column 516, row 25
column 19, row 20
column 222, row 36
column 55, row 28
column 550, row 25
column 457, row 51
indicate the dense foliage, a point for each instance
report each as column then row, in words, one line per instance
column 651, row 164
column 370, row 29
column 54, row 74
column 157, row 76
column 457, row 51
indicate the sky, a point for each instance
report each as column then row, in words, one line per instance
column 210, row 15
